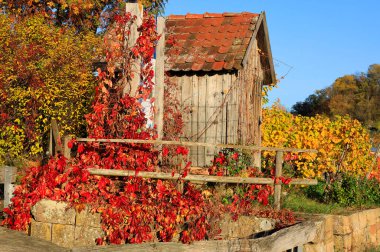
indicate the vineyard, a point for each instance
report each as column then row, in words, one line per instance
column 135, row 209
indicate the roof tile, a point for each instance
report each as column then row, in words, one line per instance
column 229, row 65
column 212, row 15
column 197, row 66
column 207, row 66
column 208, row 42
column 220, row 57
column 189, row 16
column 223, row 49
column 217, row 66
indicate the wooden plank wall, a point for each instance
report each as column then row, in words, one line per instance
column 225, row 107
column 213, row 117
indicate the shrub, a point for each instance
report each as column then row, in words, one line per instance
column 347, row 190
column 46, row 73
column 342, row 143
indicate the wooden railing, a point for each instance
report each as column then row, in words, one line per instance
column 205, row 178
column 59, row 145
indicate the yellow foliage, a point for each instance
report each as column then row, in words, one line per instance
column 46, row 73
column 342, row 143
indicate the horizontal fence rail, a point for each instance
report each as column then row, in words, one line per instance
column 197, row 178
column 182, row 143
column 276, row 182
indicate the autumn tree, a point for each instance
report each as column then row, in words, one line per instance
column 314, row 104
column 81, row 14
column 354, row 95
column 45, row 73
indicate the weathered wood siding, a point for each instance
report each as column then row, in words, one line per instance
column 250, row 103
column 224, row 107
column 211, row 99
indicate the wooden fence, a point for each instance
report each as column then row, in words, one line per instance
column 58, row 144
column 204, row 178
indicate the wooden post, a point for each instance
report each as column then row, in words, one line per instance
column 57, row 142
column 257, row 160
column 159, row 88
column 134, row 9
column 50, row 153
column 66, row 149
column 277, row 186
column 9, row 173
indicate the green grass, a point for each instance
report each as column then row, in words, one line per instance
column 377, row 249
column 297, row 202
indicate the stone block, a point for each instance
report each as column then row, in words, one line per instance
column 40, row 230
column 329, row 227
column 372, row 216
column 50, row 211
column 372, row 232
column 63, row 235
column 342, row 242
column 355, row 221
column 342, row 225
column 88, row 219
column 86, row 236
column 329, row 246
column 358, row 237
column 244, row 227
column 362, row 220
column 311, row 247
column 320, row 236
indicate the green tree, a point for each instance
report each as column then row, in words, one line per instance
column 314, row 104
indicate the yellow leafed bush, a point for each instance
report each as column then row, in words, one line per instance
column 342, row 143
column 46, row 73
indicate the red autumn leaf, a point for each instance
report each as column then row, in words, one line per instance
column 80, row 148
column 165, row 152
column 70, row 144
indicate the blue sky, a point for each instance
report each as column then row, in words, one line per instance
column 320, row 39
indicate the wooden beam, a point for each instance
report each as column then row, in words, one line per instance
column 253, row 38
column 66, row 149
column 269, row 50
column 278, row 174
column 196, row 178
column 159, row 87
column 200, row 178
column 183, row 143
column 134, row 9
column 57, row 143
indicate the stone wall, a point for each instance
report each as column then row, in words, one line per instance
column 358, row 231
column 54, row 221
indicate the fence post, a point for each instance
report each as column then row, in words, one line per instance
column 57, row 142
column 277, row 185
column 134, row 9
column 160, row 78
column 66, row 149
column 9, row 172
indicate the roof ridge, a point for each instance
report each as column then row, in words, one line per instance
column 211, row 15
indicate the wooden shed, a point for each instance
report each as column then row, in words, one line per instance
column 220, row 63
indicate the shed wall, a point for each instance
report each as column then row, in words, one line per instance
column 224, row 107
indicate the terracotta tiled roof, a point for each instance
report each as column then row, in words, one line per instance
column 205, row 42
